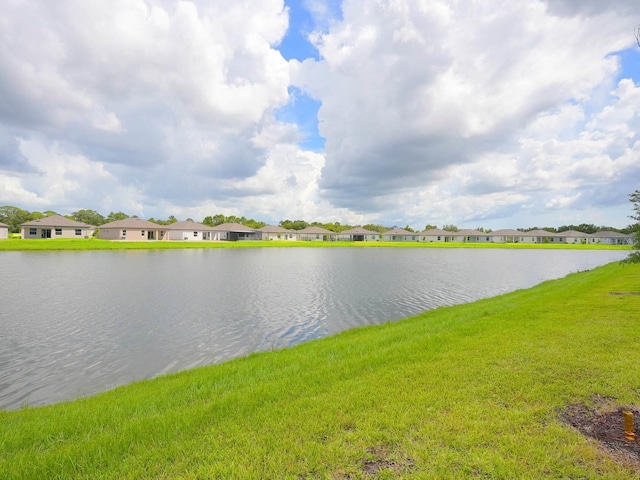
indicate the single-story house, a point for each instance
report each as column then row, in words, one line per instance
column 435, row 235
column 234, row 232
column 56, row 226
column 189, row 230
column 508, row 235
column 316, row 234
column 359, row 234
column 614, row 238
column 132, row 230
column 4, row 231
column 470, row 236
column 272, row 232
column 541, row 236
column 573, row 236
column 399, row 235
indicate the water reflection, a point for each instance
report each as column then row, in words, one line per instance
column 76, row 323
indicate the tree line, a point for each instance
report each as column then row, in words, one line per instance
column 15, row 216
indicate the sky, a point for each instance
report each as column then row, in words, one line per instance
column 483, row 113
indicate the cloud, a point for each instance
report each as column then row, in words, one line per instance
column 409, row 92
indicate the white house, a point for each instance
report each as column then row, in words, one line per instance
column 613, row 238
column 272, row 232
column 575, row 237
column 316, row 234
column 400, row 235
column 4, row 231
column 189, row 231
column 234, row 232
column 359, row 234
column 435, row 235
column 56, row 226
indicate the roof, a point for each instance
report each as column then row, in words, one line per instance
column 316, row 231
column 398, row 231
column 358, row 231
column 4, row 225
column 133, row 223
column 275, row 229
column 188, row 225
column 507, row 232
column 468, row 231
column 233, row 227
column 432, row 232
column 573, row 233
column 57, row 221
column 538, row 233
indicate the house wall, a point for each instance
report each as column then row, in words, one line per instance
column 400, row 238
column 132, row 234
column 282, row 236
column 186, row 235
column 4, row 233
column 56, row 232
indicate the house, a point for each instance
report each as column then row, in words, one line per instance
column 541, row 236
column 470, row 236
column 189, row 231
column 316, row 234
column 234, row 232
column 399, row 235
column 510, row 236
column 56, row 226
column 4, row 231
column 272, row 232
column 607, row 237
column 435, row 235
column 358, row 234
column 132, row 230
column 574, row 237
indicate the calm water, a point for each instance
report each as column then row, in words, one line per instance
column 76, row 323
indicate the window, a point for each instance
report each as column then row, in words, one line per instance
column 142, row 233
column 78, row 231
column 124, row 233
column 438, row 237
column 33, row 231
column 58, row 231
column 195, row 234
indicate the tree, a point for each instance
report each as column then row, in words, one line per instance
column 428, row 226
column 634, row 257
column 450, row 228
column 114, row 216
column 14, row 217
column 90, row 217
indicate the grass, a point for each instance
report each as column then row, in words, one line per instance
column 13, row 244
column 471, row 391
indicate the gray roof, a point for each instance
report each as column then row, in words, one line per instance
column 435, row 232
column 316, row 231
column 538, row 233
column 275, row 229
column 4, row 225
column 233, row 227
column 57, row 221
column 134, row 223
column 468, row 231
column 358, row 231
column 507, row 232
column 398, row 231
column 573, row 233
column 188, row 225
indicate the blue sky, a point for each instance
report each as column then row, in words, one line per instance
column 400, row 113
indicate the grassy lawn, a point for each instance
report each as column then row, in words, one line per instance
column 472, row 391
column 98, row 244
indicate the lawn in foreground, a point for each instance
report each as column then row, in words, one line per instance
column 472, row 391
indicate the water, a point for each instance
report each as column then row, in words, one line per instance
column 77, row 323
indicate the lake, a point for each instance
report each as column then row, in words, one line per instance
column 77, row 323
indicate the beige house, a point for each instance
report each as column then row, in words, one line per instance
column 359, row 234
column 272, row 232
column 316, row 234
column 234, row 232
column 435, row 235
column 4, row 231
column 132, row 230
column 574, row 237
column 56, row 226
column 400, row 235
column 189, row 231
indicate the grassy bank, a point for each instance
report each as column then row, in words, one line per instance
column 472, row 391
column 14, row 244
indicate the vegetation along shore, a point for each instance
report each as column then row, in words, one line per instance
column 499, row 388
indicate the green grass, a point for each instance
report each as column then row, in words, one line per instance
column 98, row 244
column 471, row 391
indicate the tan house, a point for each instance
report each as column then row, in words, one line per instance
column 359, row 234
column 435, row 235
column 56, row 226
column 510, row 236
column 189, row 231
column 316, row 234
column 400, row 235
column 272, row 232
column 4, row 231
column 234, row 232
column 132, row 230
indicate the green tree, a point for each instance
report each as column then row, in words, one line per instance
column 90, row 217
column 294, row 224
column 114, row 216
column 450, row 228
column 428, row 226
column 14, row 217
column 634, row 197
